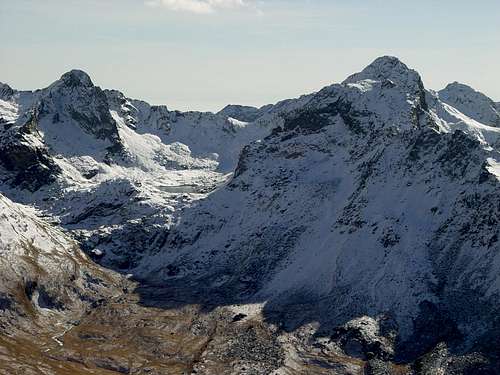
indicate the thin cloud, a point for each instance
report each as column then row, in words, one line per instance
column 198, row 6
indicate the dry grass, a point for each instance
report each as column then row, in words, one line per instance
column 23, row 357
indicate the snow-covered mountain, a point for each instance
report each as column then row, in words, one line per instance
column 373, row 196
column 85, row 155
column 472, row 103
column 361, row 221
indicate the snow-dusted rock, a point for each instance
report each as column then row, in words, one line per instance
column 241, row 112
column 471, row 103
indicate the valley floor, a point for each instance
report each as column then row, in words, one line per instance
column 136, row 333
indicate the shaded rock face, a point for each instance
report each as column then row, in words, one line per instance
column 76, row 78
column 6, row 91
column 367, row 338
column 75, row 98
column 32, row 166
column 5, row 302
column 440, row 361
column 431, row 327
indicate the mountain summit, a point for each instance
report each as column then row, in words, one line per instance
column 472, row 103
column 76, row 77
column 387, row 68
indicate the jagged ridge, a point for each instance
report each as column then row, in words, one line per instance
column 371, row 197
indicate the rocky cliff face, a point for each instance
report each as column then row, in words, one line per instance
column 75, row 99
column 358, row 232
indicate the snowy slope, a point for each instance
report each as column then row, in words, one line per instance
column 43, row 273
column 216, row 137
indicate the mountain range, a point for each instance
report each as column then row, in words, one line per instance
column 353, row 230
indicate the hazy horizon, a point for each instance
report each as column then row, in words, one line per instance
column 205, row 54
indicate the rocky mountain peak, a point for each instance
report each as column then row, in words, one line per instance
column 386, row 94
column 472, row 103
column 75, row 78
column 458, row 86
column 241, row 112
column 5, row 91
column 461, row 89
column 75, row 99
column 387, row 68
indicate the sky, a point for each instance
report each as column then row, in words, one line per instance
column 204, row 54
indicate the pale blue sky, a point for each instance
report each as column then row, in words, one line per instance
column 177, row 53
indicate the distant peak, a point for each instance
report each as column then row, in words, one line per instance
column 386, row 68
column 76, row 77
column 238, row 106
column 388, row 61
column 5, row 90
column 471, row 102
column 457, row 88
column 458, row 85
column 4, row 86
column 240, row 112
